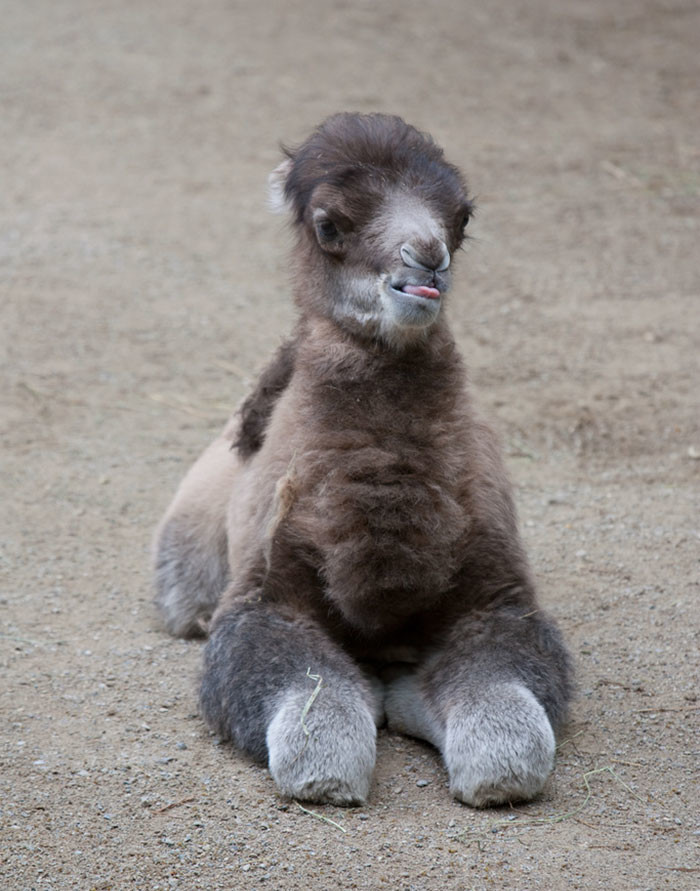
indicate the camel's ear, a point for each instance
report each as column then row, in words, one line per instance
column 276, row 199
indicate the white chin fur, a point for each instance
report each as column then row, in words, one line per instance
column 408, row 310
column 383, row 312
column 404, row 315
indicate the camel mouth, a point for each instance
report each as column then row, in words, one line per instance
column 410, row 305
column 421, row 292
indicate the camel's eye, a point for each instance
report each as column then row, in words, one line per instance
column 328, row 234
column 465, row 220
column 326, row 230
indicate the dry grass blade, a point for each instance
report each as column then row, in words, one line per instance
column 652, row 711
column 305, row 711
column 556, row 818
column 321, row 817
column 169, row 807
column 232, row 367
column 569, row 739
column 620, row 173
column 172, row 402
column 311, row 699
column 15, row 639
column 213, row 412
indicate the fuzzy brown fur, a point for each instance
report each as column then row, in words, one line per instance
column 364, row 509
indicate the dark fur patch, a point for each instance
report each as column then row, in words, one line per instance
column 503, row 643
column 257, row 408
column 362, row 154
column 255, row 652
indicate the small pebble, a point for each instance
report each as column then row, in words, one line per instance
column 422, row 783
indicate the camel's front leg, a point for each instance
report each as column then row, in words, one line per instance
column 283, row 692
column 490, row 700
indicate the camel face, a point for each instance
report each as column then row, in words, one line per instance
column 378, row 222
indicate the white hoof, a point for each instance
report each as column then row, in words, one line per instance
column 500, row 749
column 334, row 762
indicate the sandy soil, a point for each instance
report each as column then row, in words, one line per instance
column 143, row 285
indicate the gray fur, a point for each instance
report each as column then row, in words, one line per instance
column 190, row 574
column 259, row 689
column 327, row 754
column 499, row 747
column 407, row 711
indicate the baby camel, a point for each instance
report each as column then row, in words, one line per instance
column 349, row 542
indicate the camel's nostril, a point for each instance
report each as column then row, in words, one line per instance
column 409, row 257
column 435, row 258
column 445, row 262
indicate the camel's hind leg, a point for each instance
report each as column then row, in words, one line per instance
column 190, row 552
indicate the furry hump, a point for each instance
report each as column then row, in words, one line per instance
column 372, row 148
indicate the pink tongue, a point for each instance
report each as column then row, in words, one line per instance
column 421, row 291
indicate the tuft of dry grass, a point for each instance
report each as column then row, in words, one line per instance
column 552, row 819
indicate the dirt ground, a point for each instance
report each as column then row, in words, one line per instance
column 143, row 284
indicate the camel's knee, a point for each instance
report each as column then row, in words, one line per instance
column 190, row 554
column 191, row 571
